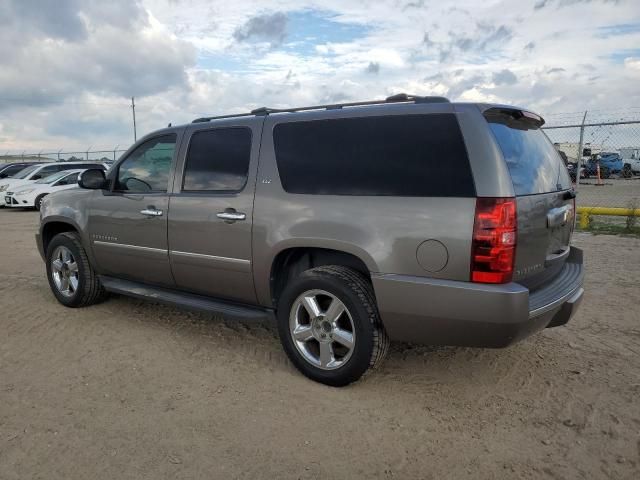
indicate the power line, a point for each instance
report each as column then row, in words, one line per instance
column 58, row 102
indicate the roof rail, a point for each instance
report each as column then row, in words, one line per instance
column 399, row 98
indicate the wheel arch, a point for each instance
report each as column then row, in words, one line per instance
column 40, row 196
column 292, row 261
column 54, row 227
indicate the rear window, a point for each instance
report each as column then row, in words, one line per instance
column 533, row 162
column 399, row 155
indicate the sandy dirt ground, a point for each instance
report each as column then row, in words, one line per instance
column 131, row 390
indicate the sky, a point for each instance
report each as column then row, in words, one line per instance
column 70, row 67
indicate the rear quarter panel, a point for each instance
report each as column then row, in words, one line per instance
column 384, row 232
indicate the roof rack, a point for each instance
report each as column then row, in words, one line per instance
column 399, row 98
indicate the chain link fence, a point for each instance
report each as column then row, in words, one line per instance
column 604, row 161
column 109, row 155
column 603, row 158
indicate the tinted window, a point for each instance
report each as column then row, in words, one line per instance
column 26, row 172
column 400, row 155
column 69, row 179
column 147, row 168
column 89, row 165
column 52, row 177
column 13, row 169
column 45, row 171
column 218, row 160
column 533, row 161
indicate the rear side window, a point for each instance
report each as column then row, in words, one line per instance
column 218, row 160
column 533, row 162
column 45, row 171
column 89, row 165
column 399, row 155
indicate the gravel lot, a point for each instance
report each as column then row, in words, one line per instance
column 130, row 390
column 616, row 192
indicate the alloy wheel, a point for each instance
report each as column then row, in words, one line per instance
column 322, row 329
column 64, row 271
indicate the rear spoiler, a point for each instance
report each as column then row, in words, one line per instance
column 514, row 116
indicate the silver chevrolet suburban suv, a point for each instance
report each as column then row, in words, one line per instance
column 411, row 219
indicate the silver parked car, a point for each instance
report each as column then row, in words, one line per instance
column 411, row 219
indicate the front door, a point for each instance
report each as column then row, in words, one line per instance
column 211, row 211
column 128, row 224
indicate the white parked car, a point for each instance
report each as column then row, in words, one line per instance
column 36, row 172
column 634, row 164
column 31, row 195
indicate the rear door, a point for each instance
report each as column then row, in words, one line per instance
column 544, row 195
column 211, row 210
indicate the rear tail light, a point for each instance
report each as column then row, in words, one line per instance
column 493, row 249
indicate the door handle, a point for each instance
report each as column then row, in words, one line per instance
column 151, row 212
column 557, row 217
column 231, row 216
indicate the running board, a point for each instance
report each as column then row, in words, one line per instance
column 186, row 300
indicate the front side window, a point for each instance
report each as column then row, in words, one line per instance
column 11, row 171
column 25, row 172
column 218, row 160
column 71, row 179
column 52, row 178
column 147, row 168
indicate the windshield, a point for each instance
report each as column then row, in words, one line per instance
column 26, row 172
column 533, row 162
column 53, row 177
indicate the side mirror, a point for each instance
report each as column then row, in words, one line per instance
column 93, row 179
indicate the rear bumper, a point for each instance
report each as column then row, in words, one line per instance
column 444, row 312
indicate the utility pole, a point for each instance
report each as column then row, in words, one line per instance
column 133, row 110
column 580, row 150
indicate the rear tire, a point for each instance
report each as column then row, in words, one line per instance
column 344, row 338
column 71, row 278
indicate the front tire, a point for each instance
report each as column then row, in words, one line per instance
column 329, row 325
column 38, row 202
column 71, row 278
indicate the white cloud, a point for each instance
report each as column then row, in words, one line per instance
column 186, row 58
column 632, row 63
